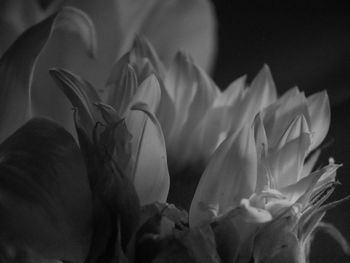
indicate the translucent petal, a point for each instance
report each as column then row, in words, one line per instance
column 320, row 117
column 181, row 86
column 192, row 26
column 336, row 234
column 278, row 116
column 151, row 176
column 121, row 87
column 295, row 129
column 286, row 164
column 229, row 176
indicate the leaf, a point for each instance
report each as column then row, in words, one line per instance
column 46, row 200
column 18, row 63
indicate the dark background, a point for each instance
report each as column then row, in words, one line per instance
column 306, row 46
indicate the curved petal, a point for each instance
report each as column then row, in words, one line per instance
column 286, row 164
column 191, row 23
column 18, row 63
column 260, row 94
column 181, row 86
column 81, row 95
column 17, row 15
column 46, row 200
column 183, row 149
column 320, row 117
column 278, row 116
column 229, row 177
column 150, row 175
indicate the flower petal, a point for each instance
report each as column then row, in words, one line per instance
column 205, row 94
column 286, row 164
column 150, row 174
column 122, row 87
column 192, row 26
column 180, row 84
column 295, row 129
column 320, row 117
column 46, row 200
column 229, row 177
column 260, row 94
column 81, row 94
column 231, row 93
column 17, row 65
column 336, row 234
column 278, row 116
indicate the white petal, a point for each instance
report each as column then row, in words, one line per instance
column 231, row 93
column 320, row 116
column 310, row 163
column 229, row 177
column 148, row 93
column 259, row 95
column 286, row 164
column 264, row 86
column 297, row 127
column 150, row 172
column 204, row 96
column 279, row 115
column 181, row 86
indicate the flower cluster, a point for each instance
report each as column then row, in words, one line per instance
column 99, row 192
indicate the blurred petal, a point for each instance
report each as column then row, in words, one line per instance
column 192, row 25
column 336, row 234
column 204, row 96
column 231, row 93
column 320, row 117
column 16, row 16
column 17, row 65
column 122, row 88
column 148, row 93
column 142, row 48
column 150, row 175
column 229, row 177
column 181, row 86
column 46, row 202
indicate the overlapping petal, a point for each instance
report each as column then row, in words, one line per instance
column 229, row 177
column 18, row 63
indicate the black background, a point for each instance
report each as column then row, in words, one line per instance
column 306, row 46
